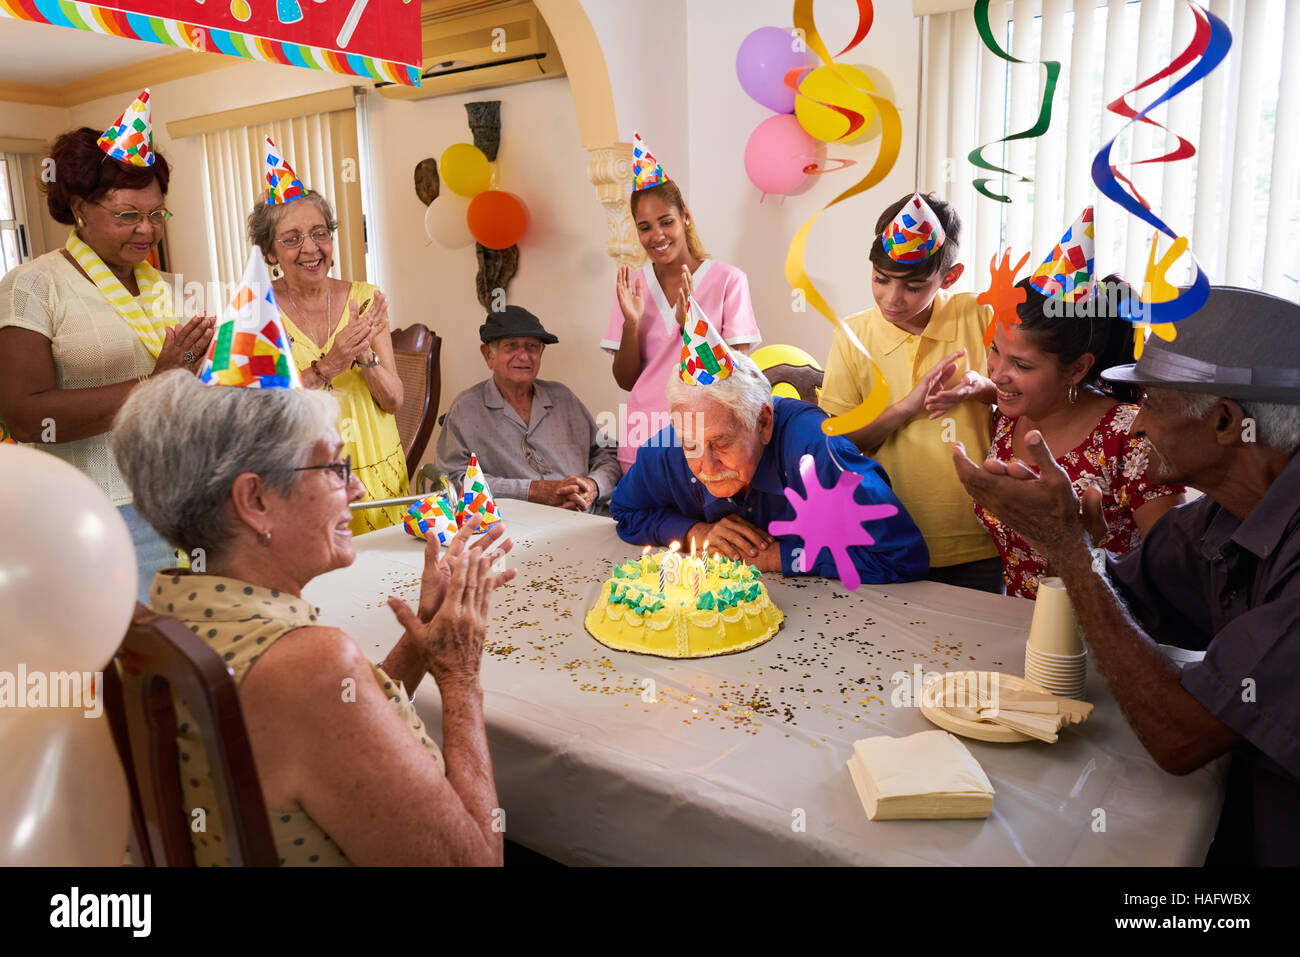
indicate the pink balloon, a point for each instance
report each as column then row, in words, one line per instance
column 777, row 152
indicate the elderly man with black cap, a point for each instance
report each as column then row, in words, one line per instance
column 1221, row 414
column 534, row 439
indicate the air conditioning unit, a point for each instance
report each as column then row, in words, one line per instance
column 472, row 44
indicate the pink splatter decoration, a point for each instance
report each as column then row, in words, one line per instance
column 830, row 518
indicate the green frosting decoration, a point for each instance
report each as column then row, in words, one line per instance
column 706, row 602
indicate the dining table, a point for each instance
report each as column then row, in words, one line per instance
column 605, row 757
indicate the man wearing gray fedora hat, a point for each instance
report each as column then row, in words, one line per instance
column 1221, row 414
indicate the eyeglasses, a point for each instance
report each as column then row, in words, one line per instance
column 132, row 217
column 320, row 235
column 342, row 469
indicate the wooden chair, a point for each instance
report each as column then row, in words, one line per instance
column 805, row 380
column 160, row 654
column 417, row 353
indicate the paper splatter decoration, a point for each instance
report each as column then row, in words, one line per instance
column 915, row 234
column 130, row 139
column 646, row 171
column 830, row 518
column 250, row 347
column 976, row 156
column 891, row 139
column 1210, row 43
column 705, row 357
column 6, row 437
column 1158, row 289
column 282, row 183
column 1003, row 294
column 1067, row 272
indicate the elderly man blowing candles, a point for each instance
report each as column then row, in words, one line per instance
column 1221, row 414
column 534, row 439
column 718, row 474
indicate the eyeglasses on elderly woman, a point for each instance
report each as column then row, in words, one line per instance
column 342, row 469
column 132, row 217
column 319, row 236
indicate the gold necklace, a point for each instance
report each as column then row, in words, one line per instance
column 329, row 312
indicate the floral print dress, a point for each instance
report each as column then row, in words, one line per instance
column 1109, row 458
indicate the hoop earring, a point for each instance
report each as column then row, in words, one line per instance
column 1073, row 393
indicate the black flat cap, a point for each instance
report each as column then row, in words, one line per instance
column 513, row 322
column 1242, row 344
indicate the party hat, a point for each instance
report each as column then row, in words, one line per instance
column 130, row 139
column 705, row 357
column 282, row 183
column 1066, row 274
column 250, row 347
column 476, row 498
column 646, row 171
column 915, row 234
column 433, row 515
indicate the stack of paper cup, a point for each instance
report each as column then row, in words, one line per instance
column 1055, row 658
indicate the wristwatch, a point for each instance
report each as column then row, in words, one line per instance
column 374, row 361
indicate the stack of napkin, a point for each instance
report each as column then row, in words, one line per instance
column 923, row 776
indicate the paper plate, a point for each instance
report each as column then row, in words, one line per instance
column 978, row 730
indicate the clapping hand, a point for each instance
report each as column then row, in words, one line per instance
column 351, row 341
column 972, row 386
column 185, row 346
column 631, row 295
column 682, row 307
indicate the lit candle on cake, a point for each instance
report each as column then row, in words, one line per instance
column 645, row 558
column 670, row 567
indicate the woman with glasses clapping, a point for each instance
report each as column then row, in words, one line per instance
column 339, row 334
column 82, row 326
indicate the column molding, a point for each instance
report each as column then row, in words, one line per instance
column 610, row 170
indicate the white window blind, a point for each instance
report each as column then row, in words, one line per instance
column 1237, row 200
column 317, row 148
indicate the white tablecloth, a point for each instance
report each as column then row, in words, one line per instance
column 740, row 759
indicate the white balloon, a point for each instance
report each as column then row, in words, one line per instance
column 67, row 566
column 63, row 799
column 446, row 221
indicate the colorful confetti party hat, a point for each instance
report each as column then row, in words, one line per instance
column 432, row 515
column 646, row 171
column 915, row 234
column 130, row 139
column 1066, row 274
column 705, row 357
column 476, row 498
column 282, row 183
column 250, row 347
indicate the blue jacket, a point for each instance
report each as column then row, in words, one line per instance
column 659, row 499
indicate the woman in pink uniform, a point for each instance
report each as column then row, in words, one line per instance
column 650, row 303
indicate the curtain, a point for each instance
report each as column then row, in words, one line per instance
column 1237, row 200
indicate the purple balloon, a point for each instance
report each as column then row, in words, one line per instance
column 762, row 61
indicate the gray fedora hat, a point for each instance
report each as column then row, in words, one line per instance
column 1242, row 344
column 514, row 322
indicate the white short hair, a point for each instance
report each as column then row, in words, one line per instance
column 1277, row 426
column 746, row 392
column 180, row 445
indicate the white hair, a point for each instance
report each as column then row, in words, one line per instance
column 1277, row 426
column 746, row 392
column 180, row 445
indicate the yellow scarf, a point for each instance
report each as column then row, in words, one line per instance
column 149, row 321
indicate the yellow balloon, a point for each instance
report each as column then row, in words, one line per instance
column 780, row 355
column 465, row 170
column 785, row 390
column 823, row 85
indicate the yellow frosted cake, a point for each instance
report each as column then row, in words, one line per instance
column 677, row 606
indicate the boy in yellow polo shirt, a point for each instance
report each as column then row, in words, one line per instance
column 929, row 344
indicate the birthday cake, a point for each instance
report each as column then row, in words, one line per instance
column 678, row 606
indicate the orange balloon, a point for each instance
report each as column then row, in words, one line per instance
column 497, row 218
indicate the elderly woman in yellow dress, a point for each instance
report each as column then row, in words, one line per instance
column 351, row 777
column 340, row 339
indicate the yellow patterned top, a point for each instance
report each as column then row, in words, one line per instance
column 369, row 433
column 240, row 622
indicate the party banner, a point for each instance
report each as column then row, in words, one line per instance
column 379, row 39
